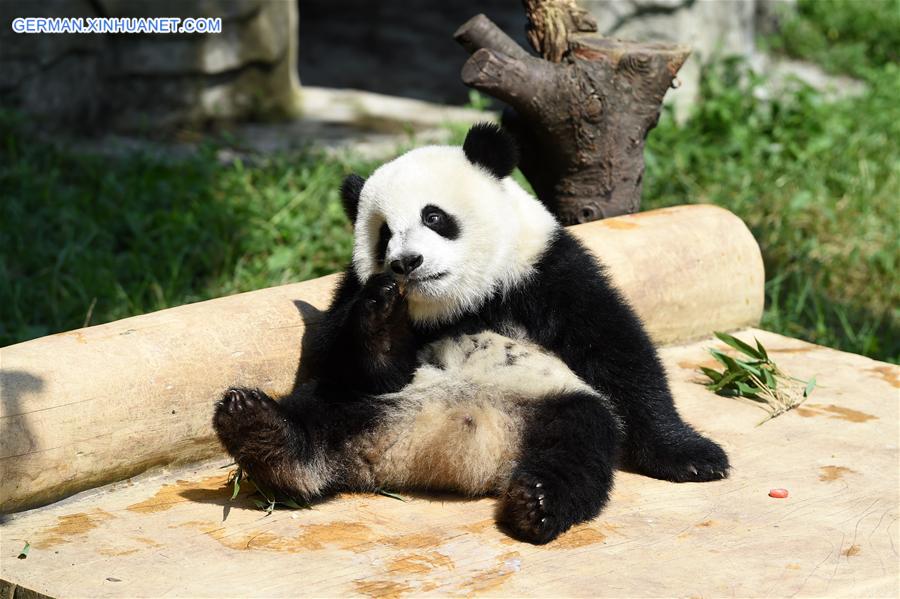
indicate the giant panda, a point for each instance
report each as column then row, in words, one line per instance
column 473, row 345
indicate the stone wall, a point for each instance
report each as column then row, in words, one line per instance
column 250, row 70
column 710, row 27
column 148, row 81
column 403, row 49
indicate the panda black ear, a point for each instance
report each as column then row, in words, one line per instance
column 490, row 147
column 350, row 190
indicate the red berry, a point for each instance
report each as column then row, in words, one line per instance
column 778, row 493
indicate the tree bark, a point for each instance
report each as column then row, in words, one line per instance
column 580, row 122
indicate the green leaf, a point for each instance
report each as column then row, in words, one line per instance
column 746, row 390
column 293, row 504
column 237, row 483
column 714, row 375
column 769, row 379
column 762, row 351
column 810, row 385
column 725, row 359
column 749, row 367
column 726, row 380
column 24, row 553
column 738, row 344
column 389, row 494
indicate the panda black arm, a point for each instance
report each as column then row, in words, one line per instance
column 572, row 309
column 366, row 344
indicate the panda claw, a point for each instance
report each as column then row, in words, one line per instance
column 524, row 510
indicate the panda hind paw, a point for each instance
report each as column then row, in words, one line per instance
column 526, row 509
column 246, row 419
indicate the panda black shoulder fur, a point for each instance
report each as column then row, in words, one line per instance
column 473, row 345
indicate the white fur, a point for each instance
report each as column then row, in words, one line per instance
column 503, row 229
column 458, row 425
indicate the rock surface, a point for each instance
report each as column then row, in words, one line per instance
column 147, row 81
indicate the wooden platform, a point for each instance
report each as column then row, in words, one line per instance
column 177, row 534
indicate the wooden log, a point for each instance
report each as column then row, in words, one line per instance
column 100, row 404
column 581, row 116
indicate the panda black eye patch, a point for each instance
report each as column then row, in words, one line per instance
column 384, row 236
column 440, row 222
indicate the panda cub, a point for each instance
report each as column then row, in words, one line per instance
column 472, row 345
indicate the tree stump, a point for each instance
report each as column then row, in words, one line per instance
column 580, row 122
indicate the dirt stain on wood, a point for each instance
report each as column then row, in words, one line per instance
column 71, row 527
column 211, row 488
column 832, row 473
column 706, row 524
column 577, row 536
column 479, row 527
column 413, row 541
column 619, row 224
column 420, row 563
column 349, row 536
column 117, row 551
column 385, row 589
column 852, row 550
column 506, row 566
column 833, row 411
column 891, row 374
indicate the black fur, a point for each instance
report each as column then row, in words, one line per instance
column 440, row 222
column 566, row 470
column 384, row 237
column 490, row 147
column 350, row 190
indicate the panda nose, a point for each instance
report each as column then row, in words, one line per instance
column 406, row 264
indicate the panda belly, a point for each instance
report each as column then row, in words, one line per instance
column 458, row 425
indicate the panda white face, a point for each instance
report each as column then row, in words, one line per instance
column 455, row 231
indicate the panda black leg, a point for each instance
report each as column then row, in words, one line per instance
column 565, row 472
column 254, row 429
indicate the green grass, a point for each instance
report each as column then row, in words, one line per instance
column 113, row 238
column 844, row 36
column 817, row 183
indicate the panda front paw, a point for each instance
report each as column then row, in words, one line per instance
column 694, row 459
column 381, row 297
column 530, row 509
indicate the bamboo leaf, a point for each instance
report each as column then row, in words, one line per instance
column 809, row 387
column 725, row 359
column 750, row 367
column 769, row 379
column 237, row 483
column 746, row 390
column 389, row 494
column 762, row 351
column 726, row 380
column 738, row 344
column 714, row 375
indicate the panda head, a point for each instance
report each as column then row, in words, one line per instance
column 450, row 222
